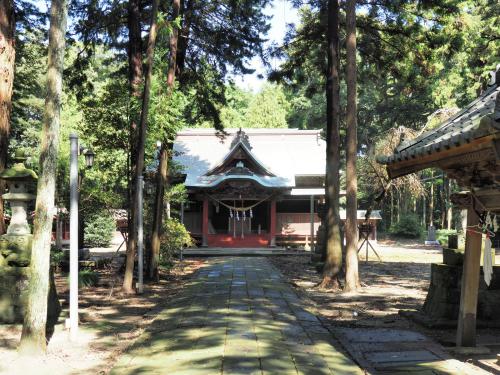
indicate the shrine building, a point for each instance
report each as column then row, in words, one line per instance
column 252, row 187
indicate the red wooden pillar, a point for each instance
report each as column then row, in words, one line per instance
column 272, row 225
column 204, row 224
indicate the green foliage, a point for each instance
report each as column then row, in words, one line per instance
column 99, row 229
column 268, row 108
column 408, row 227
column 57, row 256
column 174, row 237
column 442, row 235
column 87, row 278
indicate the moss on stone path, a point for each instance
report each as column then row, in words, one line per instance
column 237, row 316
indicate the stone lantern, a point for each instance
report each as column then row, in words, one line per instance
column 15, row 246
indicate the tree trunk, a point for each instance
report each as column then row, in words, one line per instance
column 33, row 339
column 351, row 228
column 7, row 59
column 134, row 47
column 162, row 173
column 442, row 197
column 431, row 201
column 333, row 262
column 392, row 208
column 135, row 79
column 174, row 38
column 129, row 267
column 449, row 212
column 161, row 182
column 187, row 7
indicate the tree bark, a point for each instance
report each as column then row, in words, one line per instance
column 187, row 7
column 161, row 182
column 162, row 173
column 135, row 80
column 174, row 38
column 449, row 207
column 7, row 60
column 431, row 201
column 33, row 339
column 129, row 267
column 333, row 262
column 134, row 47
column 351, row 228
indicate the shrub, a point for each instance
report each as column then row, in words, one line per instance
column 442, row 235
column 408, row 227
column 87, row 278
column 174, row 237
column 57, row 257
column 99, row 229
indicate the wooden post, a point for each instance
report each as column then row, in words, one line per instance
column 466, row 334
column 204, row 225
column 272, row 225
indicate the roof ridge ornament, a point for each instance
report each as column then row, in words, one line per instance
column 241, row 137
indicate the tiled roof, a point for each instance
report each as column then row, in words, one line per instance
column 284, row 152
column 478, row 119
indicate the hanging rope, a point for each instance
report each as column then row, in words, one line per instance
column 240, row 209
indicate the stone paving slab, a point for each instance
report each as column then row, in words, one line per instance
column 237, row 316
column 395, row 351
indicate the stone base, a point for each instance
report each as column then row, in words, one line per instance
column 443, row 298
column 13, row 296
column 433, row 242
column 16, row 249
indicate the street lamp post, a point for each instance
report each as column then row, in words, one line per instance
column 75, row 150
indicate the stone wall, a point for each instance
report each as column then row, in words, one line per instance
column 443, row 298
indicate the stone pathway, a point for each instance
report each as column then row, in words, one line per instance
column 237, row 316
column 396, row 351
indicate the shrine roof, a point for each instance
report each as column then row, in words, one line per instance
column 480, row 118
column 284, row 153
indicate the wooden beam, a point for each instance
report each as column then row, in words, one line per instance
column 466, row 333
column 477, row 150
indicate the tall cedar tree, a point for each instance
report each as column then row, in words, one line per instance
column 141, row 139
column 333, row 262
column 33, row 339
column 7, row 59
column 351, row 227
column 135, row 80
column 162, row 173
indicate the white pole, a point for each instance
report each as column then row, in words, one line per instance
column 312, row 223
column 73, row 243
column 140, row 236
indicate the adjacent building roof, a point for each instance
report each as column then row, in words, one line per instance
column 281, row 153
column 479, row 119
column 466, row 147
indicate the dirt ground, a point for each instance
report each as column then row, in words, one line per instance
column 399, row 282
column 109, row 322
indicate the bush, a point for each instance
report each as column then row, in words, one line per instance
column 99, row 229
column 174, row 237
column 57, row 257
column 87, row 278
column 442, row 235
column 408, row 227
